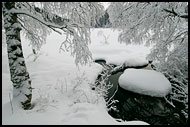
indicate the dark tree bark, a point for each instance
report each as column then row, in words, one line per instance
column 22, row 90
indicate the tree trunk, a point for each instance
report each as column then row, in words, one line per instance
column 22, row 90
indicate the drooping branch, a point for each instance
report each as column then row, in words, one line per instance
column 53, row 25
column 55, row 17
column 50, row 25
column 77, row 26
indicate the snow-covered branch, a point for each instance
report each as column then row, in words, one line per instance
column 50, row 25
column 74, row 19
column 165, row 26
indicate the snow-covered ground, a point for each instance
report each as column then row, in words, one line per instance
column 62, row 93
column 147, row 82
column 114, row 52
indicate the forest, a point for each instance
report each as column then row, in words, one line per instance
column 94, row 63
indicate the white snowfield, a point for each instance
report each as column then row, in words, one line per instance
column 62, row 93
column 147, row 82
column 106, row 46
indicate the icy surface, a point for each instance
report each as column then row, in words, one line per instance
column 147, row 82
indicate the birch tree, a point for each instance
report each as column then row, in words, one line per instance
column 164, row 25
column 37, row 20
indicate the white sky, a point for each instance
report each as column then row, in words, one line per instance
column 105, row 4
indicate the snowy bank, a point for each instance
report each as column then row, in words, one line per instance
column 147, row 82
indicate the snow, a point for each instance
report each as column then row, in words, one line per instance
column 114, row 52
column 147, row 82
column 61, row 91
column 105, row 4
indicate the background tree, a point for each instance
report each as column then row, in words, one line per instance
column 38, row 20
column 164, row 25
column 103, row 22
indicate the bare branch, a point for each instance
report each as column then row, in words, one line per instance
column 176, row 14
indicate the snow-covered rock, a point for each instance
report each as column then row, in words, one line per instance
column 147, row 82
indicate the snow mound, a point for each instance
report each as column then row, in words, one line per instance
column 147, row 82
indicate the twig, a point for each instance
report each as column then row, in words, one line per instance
column 113, row 95
column 176, row 14
column 11, row 103
column 169, row 102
